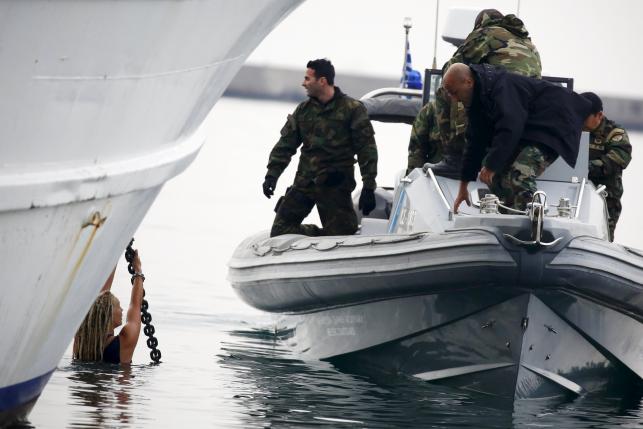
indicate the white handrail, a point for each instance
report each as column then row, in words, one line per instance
column 580, row 199
column 393, row 91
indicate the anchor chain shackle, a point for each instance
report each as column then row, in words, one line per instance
column 146, row 317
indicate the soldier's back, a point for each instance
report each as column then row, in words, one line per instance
column 510, row 47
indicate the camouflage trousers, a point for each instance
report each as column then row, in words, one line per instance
column 451, row 119
column 614, row 211
column 334, row 205
column 516, row 185
column 614, row 188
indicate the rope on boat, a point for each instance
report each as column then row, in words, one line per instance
column 326, row 245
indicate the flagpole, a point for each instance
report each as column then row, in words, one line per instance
column 435, row 37
column 407, row 27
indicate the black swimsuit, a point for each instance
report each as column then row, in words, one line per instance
column 112, row 353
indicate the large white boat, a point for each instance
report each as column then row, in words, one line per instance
column 101, row 103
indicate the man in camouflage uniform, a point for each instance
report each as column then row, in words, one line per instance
column 332, row 128
column 497, row 40
column 424, row 145
column 610, row 152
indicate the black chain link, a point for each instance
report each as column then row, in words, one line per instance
column 146, row 317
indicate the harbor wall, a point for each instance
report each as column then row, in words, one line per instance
column 274, row 83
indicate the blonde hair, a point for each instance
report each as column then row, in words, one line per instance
column 89, row 341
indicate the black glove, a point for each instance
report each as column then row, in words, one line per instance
column 269, row 186
column 366, row 201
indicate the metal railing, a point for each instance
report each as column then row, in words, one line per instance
column 380, row 92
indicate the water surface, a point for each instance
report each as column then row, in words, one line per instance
column 223, row 366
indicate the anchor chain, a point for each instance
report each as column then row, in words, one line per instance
column 146, row 317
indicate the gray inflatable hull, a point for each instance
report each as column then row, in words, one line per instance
column 465, row 307
column 295, row 273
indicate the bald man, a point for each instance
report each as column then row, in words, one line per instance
column 517, row 127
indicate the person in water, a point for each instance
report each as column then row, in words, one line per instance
column 95, row 340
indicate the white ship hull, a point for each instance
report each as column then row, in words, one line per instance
column 102, row 102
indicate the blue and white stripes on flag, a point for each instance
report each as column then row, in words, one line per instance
column 412, row 79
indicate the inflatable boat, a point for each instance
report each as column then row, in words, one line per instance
column 518, row 304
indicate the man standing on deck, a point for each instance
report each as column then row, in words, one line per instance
column 496, row 39
column 610, row 152
column 517, row 127
column 332, row 128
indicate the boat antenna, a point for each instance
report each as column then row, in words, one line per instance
column 407, row 27
column 435, row 37
column 518, row 11
column 146, row 318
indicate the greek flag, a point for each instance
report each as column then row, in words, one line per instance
column 411, row 79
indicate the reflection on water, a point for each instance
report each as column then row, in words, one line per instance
column 277, row 389
column 100, row 395
column 104, row 394
column 245, row 377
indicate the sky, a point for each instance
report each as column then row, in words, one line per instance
column 596, row 43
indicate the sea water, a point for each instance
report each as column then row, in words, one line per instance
column 223, row 366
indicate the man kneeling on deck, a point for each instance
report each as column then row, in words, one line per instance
column 331, row 128
column 517, row 127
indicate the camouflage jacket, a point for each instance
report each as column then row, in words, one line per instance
column 500, row 42
column 424, row 145
column 330, row 136
column 610, row 152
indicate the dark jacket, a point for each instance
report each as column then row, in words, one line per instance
column 509, row 111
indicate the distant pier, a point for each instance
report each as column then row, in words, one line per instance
column 274, row 83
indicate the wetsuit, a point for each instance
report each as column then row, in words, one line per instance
column 112, row 353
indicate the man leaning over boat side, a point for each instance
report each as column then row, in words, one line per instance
column 610, row 152
column 495, row 39
column 517, row 127
column 331, row 128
